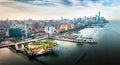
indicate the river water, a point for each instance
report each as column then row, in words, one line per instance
column 105, row 52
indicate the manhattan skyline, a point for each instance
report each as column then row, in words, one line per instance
column 55, row 9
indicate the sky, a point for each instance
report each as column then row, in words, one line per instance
column 55, row 9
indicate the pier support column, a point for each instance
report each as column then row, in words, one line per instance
column 22, row 46
column 16, row 47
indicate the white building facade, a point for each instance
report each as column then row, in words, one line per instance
column 50, row 30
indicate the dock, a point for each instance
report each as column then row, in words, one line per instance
column 76, row 41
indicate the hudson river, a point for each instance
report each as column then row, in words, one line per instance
column 105, row 52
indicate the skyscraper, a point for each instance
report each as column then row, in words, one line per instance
column 26, row 29
column 99, row 16
column 61, row 20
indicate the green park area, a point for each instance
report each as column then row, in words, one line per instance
column 39, row 47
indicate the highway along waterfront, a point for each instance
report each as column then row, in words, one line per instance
column 105, row 52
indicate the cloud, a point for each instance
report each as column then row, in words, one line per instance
column 41, row 2
column 67, row 2
column 70, row 3
column 54, row 9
